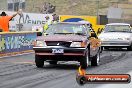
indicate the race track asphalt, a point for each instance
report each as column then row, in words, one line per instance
column 21, row 72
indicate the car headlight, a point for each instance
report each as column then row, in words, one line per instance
column 40, row 43
column 78, row 44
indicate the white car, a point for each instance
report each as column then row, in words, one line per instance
column 116, row 35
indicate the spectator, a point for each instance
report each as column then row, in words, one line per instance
column 55, row 18
column 4, row 21
column 51, row 9
column 48, row 22
column 48, row 8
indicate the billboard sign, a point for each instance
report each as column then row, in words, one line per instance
column 27, row 20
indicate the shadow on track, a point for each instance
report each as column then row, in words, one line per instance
column 62, row 66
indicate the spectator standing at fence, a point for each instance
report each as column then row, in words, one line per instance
column 4, row 21
column 55, row 18
column 48, row 22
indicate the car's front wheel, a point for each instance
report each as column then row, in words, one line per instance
column 84, row 62
column 39, row 61
column 95, row 60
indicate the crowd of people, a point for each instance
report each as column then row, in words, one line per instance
column 48, row 8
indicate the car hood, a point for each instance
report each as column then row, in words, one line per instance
column 62, row 38
column 115, row 35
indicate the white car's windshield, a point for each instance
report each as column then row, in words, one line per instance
column 67, row 29
column 117, row 28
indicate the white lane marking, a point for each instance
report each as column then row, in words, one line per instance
column 23, row 62
column 17, row 55
column 18, row 62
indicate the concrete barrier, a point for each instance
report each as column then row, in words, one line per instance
column 13, row 43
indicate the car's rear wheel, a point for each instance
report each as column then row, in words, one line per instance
column 39, row 61
column 53, row 62
column 95, row 60
column 84, row 62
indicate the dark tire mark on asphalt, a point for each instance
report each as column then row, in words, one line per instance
column 110, row 58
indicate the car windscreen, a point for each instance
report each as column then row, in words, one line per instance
column 117, row 28
column 67, row 29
